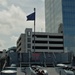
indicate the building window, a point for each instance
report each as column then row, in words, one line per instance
column 56, row 48
column 29, row 45
column 40, row 47
column 40, row 36
column 56, row 37
column 28, row 39
column 41, row 42
column 28, row 33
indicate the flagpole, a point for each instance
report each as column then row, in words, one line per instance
column 34, row 28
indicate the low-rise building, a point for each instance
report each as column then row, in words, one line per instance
column 40, row 42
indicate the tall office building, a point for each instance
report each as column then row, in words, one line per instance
column 60, row 17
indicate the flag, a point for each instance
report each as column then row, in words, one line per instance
column 31, row 16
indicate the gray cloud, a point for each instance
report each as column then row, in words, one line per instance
column 13, row 39
column 11, row 19
column 3, row 2
column 2, row 44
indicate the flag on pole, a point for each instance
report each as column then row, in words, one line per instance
column 31, row 16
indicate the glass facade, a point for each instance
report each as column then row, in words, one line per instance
column 61, row 11
column 68, row 10
column 53, row 15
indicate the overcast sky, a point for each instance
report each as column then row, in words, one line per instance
column 13, row 19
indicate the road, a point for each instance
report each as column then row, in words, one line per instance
column 51, row 71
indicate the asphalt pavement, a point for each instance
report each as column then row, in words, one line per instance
column 51, row 71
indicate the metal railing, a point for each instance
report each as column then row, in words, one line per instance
column 54, row 59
